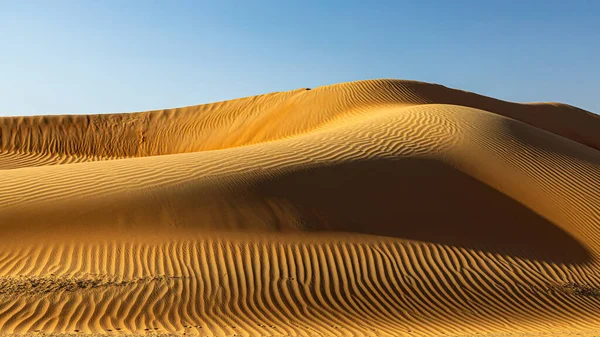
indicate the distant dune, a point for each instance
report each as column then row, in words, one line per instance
column 370, row 208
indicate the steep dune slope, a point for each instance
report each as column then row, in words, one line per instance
column 374, row 208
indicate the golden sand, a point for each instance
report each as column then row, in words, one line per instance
column 371, row 208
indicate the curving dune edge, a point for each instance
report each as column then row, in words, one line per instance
column 370, row 208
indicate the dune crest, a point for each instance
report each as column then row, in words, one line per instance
column 370, row 208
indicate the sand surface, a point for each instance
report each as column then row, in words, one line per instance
column 371, row 208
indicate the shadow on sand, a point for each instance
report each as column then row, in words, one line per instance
column 424, row 200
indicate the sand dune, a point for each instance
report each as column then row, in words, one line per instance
column 372, row 208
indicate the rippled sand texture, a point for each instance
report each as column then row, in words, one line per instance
column 372, row 208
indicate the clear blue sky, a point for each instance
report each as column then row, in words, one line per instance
column 59, row 57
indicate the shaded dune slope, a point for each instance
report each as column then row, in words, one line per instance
column 373, row 208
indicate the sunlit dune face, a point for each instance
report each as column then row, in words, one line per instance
column 372, row 208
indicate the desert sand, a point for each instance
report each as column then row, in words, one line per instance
column 370, row 208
